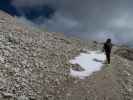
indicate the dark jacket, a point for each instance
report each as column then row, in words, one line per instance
column 107, row 47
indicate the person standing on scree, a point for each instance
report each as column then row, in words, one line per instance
column 107, row 49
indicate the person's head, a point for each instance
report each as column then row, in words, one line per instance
column 108, row 40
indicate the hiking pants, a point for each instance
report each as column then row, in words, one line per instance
column 108, row 57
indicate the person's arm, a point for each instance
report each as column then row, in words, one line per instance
column 111, row 47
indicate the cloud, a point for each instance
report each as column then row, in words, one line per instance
column 89, row 19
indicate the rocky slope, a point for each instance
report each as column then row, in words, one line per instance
column 34, row 65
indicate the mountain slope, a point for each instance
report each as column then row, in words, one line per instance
column 34, row 65
column 28, row 56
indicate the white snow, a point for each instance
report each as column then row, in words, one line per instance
column 90, row 62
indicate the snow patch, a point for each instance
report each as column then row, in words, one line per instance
column 90, row 62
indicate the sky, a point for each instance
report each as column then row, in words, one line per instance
column 88, row 19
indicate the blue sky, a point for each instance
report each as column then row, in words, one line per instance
column 29, row 13
column 6, row 6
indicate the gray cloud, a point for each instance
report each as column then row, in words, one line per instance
column 90, row 19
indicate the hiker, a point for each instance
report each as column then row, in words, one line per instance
column 107, row 49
